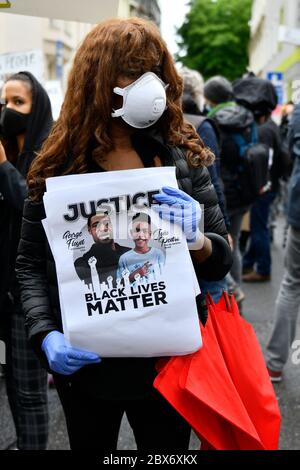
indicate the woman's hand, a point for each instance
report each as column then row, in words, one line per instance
column 63, row 358
column 181, row 209
column 2, row 154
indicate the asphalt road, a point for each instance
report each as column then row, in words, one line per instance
column 259, row 311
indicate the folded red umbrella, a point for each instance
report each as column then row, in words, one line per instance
column 246, row 365
column 199, row 386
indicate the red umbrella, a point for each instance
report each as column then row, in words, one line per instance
column 199, row 386
column 246, row 365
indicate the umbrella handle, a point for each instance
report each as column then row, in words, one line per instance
column 227, row 301
column 209, row 299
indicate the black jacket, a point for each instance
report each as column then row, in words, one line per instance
column 112, row 378
column 13, row 188
column 269, row 134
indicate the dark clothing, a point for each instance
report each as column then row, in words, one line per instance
column 109, row 262
column 258, row 253
column 112, row 378
column 13, row 191
column 268, row 134
column 13, row 186
column 93, row 423
column 294, row 196
column 259, row 250
column 26, row 380
column 287, row 162
column 209, row 135
column 231, row 118
column 255, row 93
column 294, row 133
column 4, row 252
column 287, row 305
column 294, row 185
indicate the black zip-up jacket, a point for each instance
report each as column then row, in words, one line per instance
column 112, row 378
column 269, row 134
column 13, row 188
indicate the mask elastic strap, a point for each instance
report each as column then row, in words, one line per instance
column 119, row 91
column 117, row 112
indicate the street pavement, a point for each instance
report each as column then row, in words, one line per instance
column 258, row 309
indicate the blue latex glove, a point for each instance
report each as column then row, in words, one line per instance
column 64, row 359
column 180, row 208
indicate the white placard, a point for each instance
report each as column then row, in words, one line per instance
column 126, row 284
column 30, row 61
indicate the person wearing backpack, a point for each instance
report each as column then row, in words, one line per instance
column 259, row 96
column 237, row 130
column 192, row 104
column 288, row 299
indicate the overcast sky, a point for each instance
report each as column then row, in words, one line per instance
column 172, row 15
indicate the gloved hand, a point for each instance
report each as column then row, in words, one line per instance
column 180, row 208
column 64, row 359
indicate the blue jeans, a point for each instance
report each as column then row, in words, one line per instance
column 259, row 251
column 215, row 288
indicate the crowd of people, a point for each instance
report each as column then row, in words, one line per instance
column 231, row 158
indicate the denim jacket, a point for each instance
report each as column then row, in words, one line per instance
column 294, row 184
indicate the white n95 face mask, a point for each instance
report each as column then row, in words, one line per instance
column 144, row 101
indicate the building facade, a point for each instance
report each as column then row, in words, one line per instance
column 274, row 45
column 51, row 43
column 148, row 9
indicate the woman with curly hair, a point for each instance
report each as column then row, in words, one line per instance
column 107, row 124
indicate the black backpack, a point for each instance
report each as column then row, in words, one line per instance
column 253, row 166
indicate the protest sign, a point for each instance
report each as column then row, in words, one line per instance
column 126, row 282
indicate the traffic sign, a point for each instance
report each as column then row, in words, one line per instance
column 277, row 79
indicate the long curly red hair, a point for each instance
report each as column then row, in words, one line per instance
column 111, row 48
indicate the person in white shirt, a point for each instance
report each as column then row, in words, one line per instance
column 143, row 262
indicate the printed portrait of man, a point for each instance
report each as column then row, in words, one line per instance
column 103, row 255
column 143, row 262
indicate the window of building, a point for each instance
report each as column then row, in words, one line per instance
column 281, row 22
column 68, row 28
column 298, row 14
column 282, row 16
column 54, row 24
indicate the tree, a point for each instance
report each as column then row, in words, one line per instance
column 215, row 36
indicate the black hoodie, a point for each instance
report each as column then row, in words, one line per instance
column 13, row 188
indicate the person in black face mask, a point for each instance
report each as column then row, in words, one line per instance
column 14, row 123
column 25, row 122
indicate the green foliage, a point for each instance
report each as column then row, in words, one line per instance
column 214, row 37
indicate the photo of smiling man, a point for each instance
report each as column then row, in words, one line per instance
column 144, row 263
